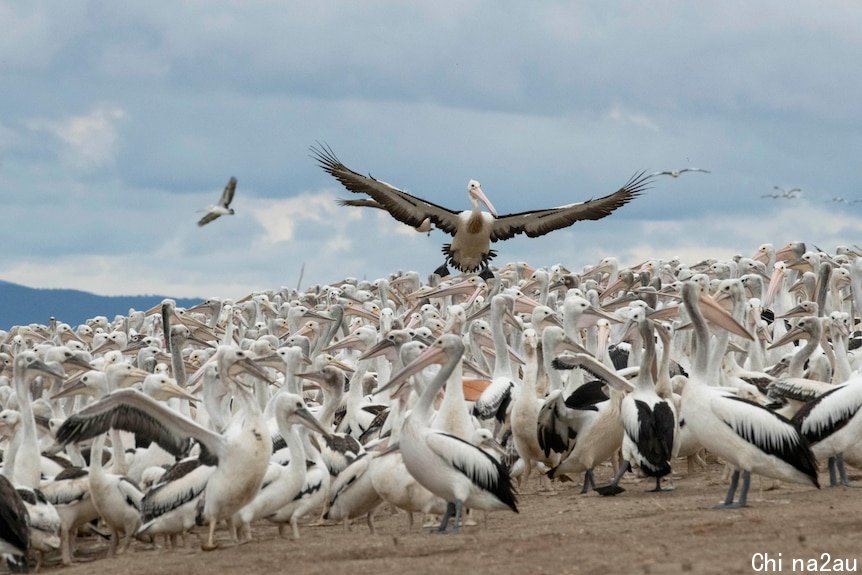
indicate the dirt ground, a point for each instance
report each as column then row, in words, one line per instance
column 562, row 532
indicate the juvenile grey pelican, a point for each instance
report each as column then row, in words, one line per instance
column 474, row 230
column 223, row 207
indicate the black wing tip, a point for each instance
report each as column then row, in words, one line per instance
column 324, row 155
column 638, row 183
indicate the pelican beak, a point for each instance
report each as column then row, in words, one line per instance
column 785, row 253
column 378, row 348
column 801, row 310
column 77, row 388
column 591, row 315
column 249, row 366
column 480, row 195
column 54, row 369
column 792, row 335
column 174, row 390
column 339, row 364
column 307, row 419
column 572, row 346
column 77, row 361
column 348, row 342
column 775, row 283
column 431, row 355
column 719, row 316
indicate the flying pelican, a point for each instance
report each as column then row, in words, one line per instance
column 223, row 208
column 241, row 454
column 474, row 230
column 676, row 173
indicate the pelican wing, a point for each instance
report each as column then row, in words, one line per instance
column 209, row 217
column 131, row 410
column 540, row 222
column 483, row 470
column 360, row 203
column 400, row 205
column 227, row 194
column 829, row 412
column 767, row 430
column 13, row 517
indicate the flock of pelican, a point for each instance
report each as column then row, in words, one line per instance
column 433, row 398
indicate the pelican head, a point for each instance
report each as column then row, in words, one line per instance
column 474, row 190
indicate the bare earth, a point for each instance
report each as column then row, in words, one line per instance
column 562, row 532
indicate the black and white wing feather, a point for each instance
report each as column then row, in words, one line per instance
column 131, row 410
column 540, row 222
column 402, row 206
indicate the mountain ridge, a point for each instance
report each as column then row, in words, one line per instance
column 23, row 305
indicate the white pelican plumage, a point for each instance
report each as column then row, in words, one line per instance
column 474, row 230
column 452, row 468
column 223, row 207
column 241, row 454
column 743, row 433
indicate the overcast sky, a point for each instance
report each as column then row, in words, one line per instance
column 119, row 120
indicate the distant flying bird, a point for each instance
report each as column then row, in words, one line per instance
column 676, row 173
column 424, row 227
column 223, row 208
column 790, row 194
column 840, row 200
column 473, row 230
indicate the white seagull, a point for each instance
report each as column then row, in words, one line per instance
column 223, row 208
column 676, row 173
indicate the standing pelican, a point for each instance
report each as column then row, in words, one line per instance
column 450, row 467
column 241, row 454
column 223, row 208
column 474, row 230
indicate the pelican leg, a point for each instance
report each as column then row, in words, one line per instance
column 659, row 488
column 369, row 520
column 589, row 482
column 833, row 481
column 458, row 506
column 444, row 523
column 842, row 471
column 613, row 487
column 210, row 544
column 731, row 491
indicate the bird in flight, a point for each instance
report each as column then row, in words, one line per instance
column 790, row 194
column 676, row 173
column 473, row 230
column 223, row 208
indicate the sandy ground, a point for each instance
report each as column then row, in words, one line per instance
column 562, row 532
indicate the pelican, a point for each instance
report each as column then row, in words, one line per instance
column 677, row 173
column 241, row 454
column 452, row 468
column 474, row 230
column 14, row 532
column 743, row 433
column 223, row 208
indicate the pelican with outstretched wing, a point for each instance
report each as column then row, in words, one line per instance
column 473, row 230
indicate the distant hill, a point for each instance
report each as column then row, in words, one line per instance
column 22, row 305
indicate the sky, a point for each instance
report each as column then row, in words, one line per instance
column 118, row 121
